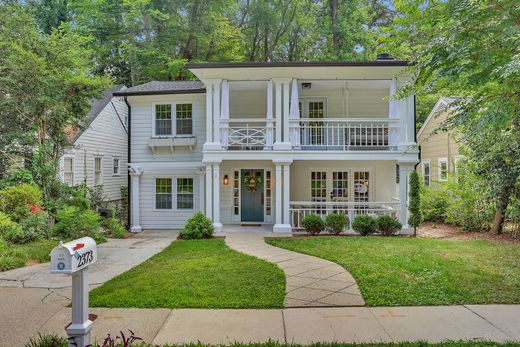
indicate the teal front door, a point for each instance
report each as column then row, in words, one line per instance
column 252, row 195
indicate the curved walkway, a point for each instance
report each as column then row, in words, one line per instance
column 310, row 281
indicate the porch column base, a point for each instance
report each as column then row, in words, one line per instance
column 212, row 146
column 136, row 229
column 282, row 146
column 282, row 228
column 218, row 227
column 406, row 230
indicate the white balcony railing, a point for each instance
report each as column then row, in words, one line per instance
column 347, row 134
column 299, row 209
column 249, row 133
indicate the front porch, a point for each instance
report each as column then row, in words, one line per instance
column 276, row 195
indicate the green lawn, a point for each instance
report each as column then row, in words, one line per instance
column 200, row 273
column 417, row 271
column 13, row 256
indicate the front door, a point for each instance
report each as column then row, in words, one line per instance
column 252, row 195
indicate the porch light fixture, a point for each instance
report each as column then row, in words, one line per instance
column 226, row 180
column 306, row 85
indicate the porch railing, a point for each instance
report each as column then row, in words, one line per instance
column 249, row 133
column 299, row 209
column 346, row 134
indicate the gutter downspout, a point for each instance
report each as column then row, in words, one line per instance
column 128, row 160
column 415, row 129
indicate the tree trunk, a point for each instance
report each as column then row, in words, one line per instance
column 501, row 205
column 333, row 6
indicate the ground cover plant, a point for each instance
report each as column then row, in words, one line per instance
column 420, row 271
column 13, row 256
column 198, row 274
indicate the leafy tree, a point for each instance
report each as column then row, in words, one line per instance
column 415, row 218
column 469, row 49
column 45, row 86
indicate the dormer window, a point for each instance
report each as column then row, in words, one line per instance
column 168, row 123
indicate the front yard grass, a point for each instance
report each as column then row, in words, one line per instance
column 418, row 271
column 14, row 256
column 195, row 274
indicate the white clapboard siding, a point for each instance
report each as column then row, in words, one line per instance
column 105, row 138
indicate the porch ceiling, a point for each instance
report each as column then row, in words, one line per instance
column 321, row 84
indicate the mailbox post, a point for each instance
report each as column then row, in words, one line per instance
column 74, row 258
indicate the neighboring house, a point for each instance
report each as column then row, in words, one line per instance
column 97, row 155
column 268, row 143
column 439, row 149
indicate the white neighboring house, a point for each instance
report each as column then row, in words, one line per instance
column 268, row 143
column 98, row 150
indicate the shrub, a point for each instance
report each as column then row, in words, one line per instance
column 415, row 217
column 364, row 224
column 388, row 225
column 435, row 203
column 15, row 200
column 20, row 235
column 197, row 227
column 7, row 226
column 19, row 176
column 313, row 224
column 47, row 341
column 72, row 223
column 2, row 245
column 114, row 227
column 336, row 222
column 37, row 223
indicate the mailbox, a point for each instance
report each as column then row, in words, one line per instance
column 73, row 256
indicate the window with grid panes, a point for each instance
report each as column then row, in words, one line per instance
column 184, row 121
column 361, row 186
column 340, row 186
column 184, row 193
column 97, row 170
column 163, row 119
column 236, row 193
column 68, row 171
column 268, row 193
column 163, row 193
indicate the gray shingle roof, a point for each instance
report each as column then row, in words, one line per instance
column 164, row 87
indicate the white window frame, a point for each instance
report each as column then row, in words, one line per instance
column 439, row 169
column 177, row 193
column 173, row 119
column 174, row 193
column 100, row 170
column 118, row 173
column 73, row 167
column 329, row 181
column 424, row 162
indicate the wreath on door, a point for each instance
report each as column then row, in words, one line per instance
column 251, row 182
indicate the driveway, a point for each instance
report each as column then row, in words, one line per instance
column 31, row 297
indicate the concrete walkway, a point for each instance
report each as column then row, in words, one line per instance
column 311, row 281
column 114, row 257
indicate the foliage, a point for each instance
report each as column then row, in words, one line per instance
column 7, row 226
column 397, row 271
column 435, row 201
column 114, row 227
column 197, row 227
column 198, row 274
column 336, row 222
column 96, row 197
column 388, row 225
column 72, row 223
column 122, row 208
column 15, row 255
column 37, row 223
column 47, row 341
column 313, row 224
column 76, row 196
column 364, row 224
column 15, row 200
column 415, row 217
column 18, row 176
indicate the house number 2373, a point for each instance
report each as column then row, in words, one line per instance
column 85, row 258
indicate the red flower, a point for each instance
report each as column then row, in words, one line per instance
column 35, row 208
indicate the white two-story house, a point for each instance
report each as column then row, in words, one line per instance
column 268, row 143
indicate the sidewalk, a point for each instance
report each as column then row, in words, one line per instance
column 304, row 325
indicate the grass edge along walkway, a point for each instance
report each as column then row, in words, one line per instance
column 195, row 274
column 399, row 271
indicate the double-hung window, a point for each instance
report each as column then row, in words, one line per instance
column 97, row 170
column 426, row 172
column 170, row 123
column 166, row 188
column 116, row 166
column 443, row 169
column 68, row 170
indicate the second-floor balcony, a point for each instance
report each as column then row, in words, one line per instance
column 319, row 134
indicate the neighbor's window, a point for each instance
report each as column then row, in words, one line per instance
column 97, row 170
column 163, row 119
column 68, row 171
column 163, row 193
column 184, row 193
column 443, row 169
column 116, row 166
column 184, row 122
column 426, row 172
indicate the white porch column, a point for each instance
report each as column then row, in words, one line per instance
column 212, row 115
column 402, row 113
column 135, row 173
column 202, row 193
column 282, row 141
column 216, row 112
column 209, row 113
column 216, row 197
column 410, row 119
column 405, row 169
column 209, row 191
column 282, row 196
